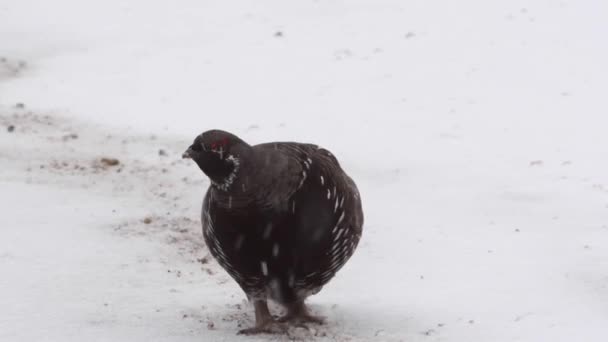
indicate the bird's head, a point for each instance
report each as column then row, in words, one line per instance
column 219, row 155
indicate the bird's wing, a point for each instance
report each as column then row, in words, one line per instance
column 281, row 170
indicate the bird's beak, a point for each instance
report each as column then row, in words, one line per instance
column 187, row 154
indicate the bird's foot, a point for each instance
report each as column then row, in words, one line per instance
column 298, row 315
column 264, row 322
column 300, row 319
column 268, row 327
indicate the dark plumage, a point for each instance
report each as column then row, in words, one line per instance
column 281, row 218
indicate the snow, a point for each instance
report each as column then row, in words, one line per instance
column 475, row 130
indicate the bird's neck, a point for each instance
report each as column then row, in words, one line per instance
column 225, row 178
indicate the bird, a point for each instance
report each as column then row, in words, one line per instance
column 281, row 218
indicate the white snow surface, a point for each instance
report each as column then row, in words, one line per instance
column 475, row 130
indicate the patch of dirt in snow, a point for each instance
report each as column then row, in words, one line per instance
column 49, row 149
column 10, row 68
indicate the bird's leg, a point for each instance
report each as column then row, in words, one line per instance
column 264, row 322
column 297, row 314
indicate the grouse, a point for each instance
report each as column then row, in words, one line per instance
column 281, row 218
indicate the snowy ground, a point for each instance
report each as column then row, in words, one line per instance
column 476, row 131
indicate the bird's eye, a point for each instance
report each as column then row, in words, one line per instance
column 196, row 147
